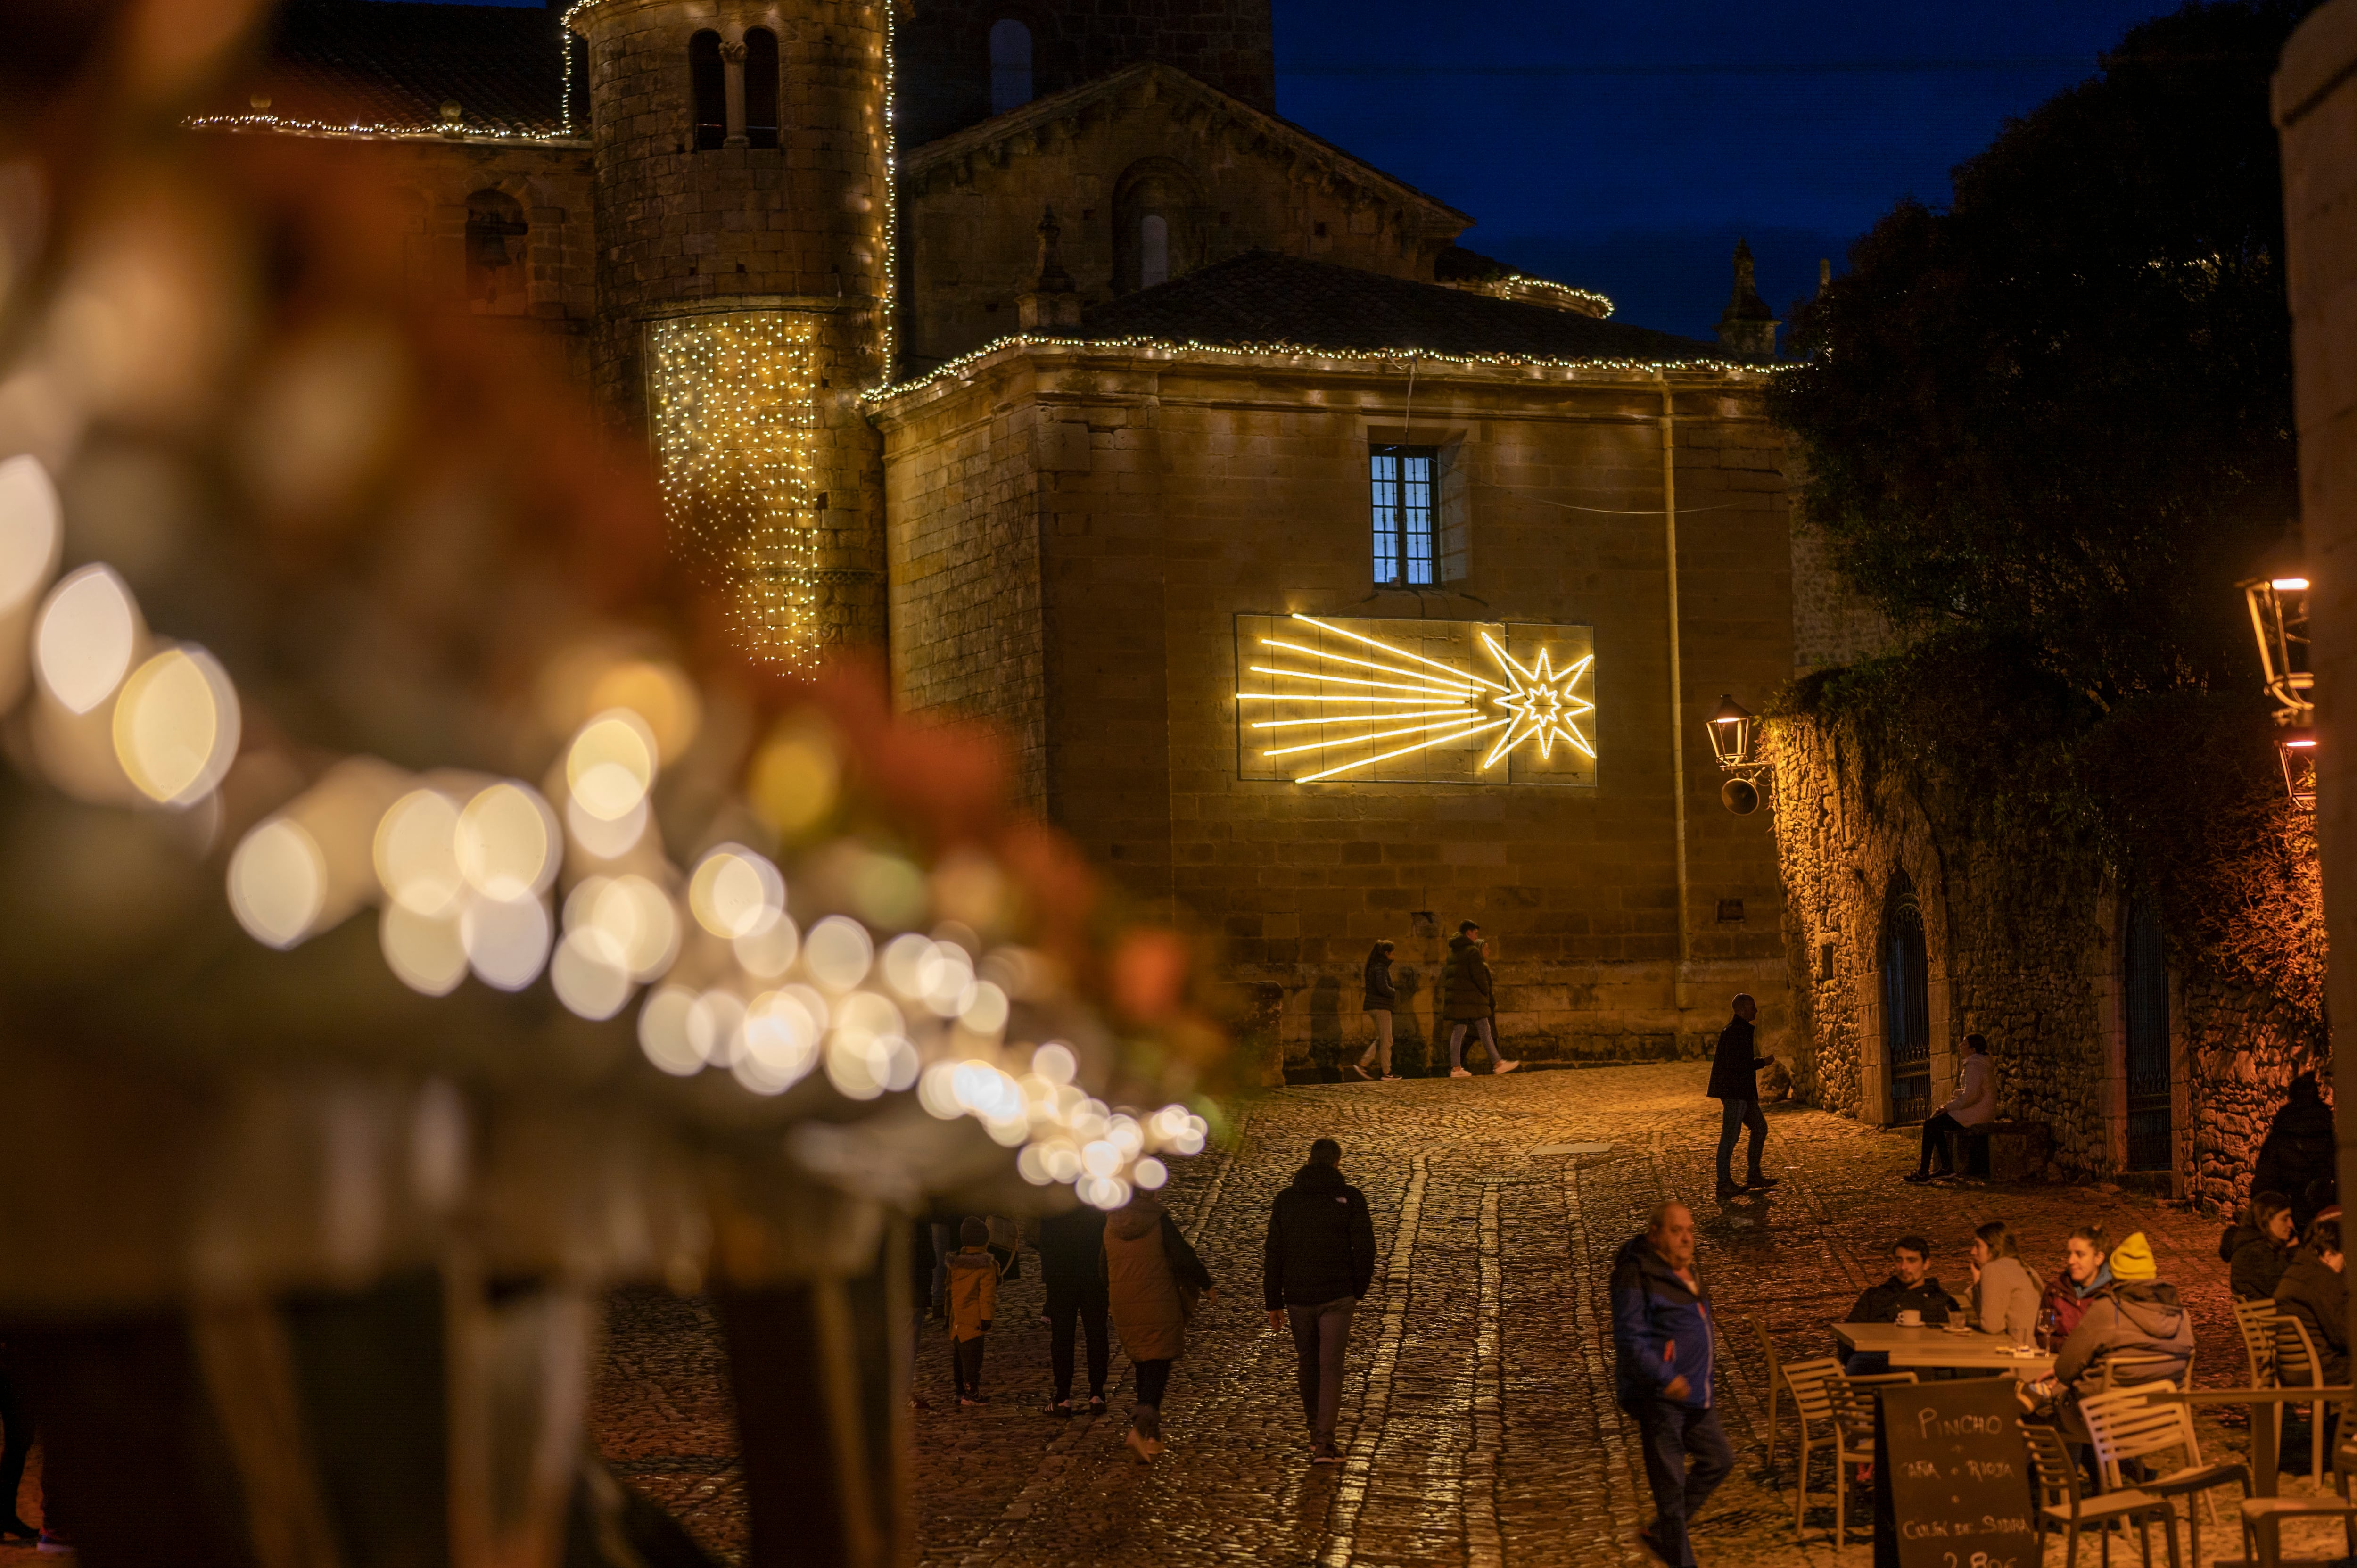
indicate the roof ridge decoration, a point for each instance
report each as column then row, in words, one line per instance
column 1041, row 114
column 962, row 367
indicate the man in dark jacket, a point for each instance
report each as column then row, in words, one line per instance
column 2299, row 1149
column 1660, row 1336
column 1378, row 999
column 1910, row 1288
column 1468, row 1000
column 1321, row 1258
column 2313, row 1292
column 1735, row 1084
column 1071, row 1267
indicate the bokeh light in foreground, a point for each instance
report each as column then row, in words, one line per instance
column 277, row 882
column 88, row 632
column 175, row 725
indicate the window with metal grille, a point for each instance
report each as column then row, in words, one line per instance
column 2145, row 981
column 1403, row 496
column 1906, row 1004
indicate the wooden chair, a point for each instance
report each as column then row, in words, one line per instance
column 1855, row 1413
column 2058, row 1501
column 2298, row 1366
column 1813, row 1413
column 2124, row 1424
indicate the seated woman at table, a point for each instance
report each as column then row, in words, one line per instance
column 2265, row 1250
column 2312, row 1291
column 2086, row 1273
column 2137, row 1316
column 2004, row 1298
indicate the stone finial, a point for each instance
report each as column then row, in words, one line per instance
column 1825, row 273
column 1748, row 328
column 1052, row 303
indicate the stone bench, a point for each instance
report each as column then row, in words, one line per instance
column 2002, row 1151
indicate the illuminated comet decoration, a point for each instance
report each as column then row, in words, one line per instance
column 1379, row 693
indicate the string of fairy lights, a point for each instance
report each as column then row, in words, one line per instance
column 734, row 400
column 963, row 366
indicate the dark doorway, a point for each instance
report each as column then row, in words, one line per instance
column 1906, row 1004
column 2145, row 981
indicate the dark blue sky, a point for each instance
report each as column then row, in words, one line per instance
column 1666, row 129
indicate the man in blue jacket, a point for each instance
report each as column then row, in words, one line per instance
column 1660, row 1330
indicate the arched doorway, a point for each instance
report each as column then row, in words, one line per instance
column 1906, row 1004
column 2144, row 985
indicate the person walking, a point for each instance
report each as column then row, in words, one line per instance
column 1380, row 996
column 1468, row 1000
column 1662, row 1340
column 1153, row 1281
column 973, row 1301
column 1735, row 1084
column 1073, row 1267
column 1973, row 1105
column 1318, row 1261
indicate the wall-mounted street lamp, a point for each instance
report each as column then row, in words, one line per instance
column 1733, row 739
column 2278, row 600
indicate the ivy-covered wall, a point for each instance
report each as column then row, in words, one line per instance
column 2023, row 823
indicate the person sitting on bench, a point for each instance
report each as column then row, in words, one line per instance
column 1973, row 1105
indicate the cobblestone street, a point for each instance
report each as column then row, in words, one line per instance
column 1479, row 1417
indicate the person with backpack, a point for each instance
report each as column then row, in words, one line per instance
column 1153, row 1283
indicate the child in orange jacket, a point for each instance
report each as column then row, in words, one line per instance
column 973, row 1297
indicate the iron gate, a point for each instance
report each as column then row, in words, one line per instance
column 1906, row 1004
column 2146, row 981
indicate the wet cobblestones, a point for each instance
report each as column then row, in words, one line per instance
column 1479, row 1418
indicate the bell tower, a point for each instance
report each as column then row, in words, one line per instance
column 742, row 151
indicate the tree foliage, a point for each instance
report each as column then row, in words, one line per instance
column 2058, row 412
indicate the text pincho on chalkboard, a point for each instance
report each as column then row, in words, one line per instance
column 1953, row 1486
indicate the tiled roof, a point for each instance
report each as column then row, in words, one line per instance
column 376, row 63
column 1261, row 297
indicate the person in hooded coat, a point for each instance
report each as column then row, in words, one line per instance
column 1318, row 1261
column 2299, row 1149
column 1153, row 1281
column 2138, row 1316
column 1468, row 1000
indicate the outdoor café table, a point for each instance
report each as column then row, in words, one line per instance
column 1925, row 1346
column 2263, row 1432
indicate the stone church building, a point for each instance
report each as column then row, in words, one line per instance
column 1333, row 580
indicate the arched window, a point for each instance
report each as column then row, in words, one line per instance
column 2144, row 986
column 1153, row 250
column 707, row 89
column 1906, row 1002
column 760, row 88
column 1157, row 223
column 495, row 242
column 1010, row 65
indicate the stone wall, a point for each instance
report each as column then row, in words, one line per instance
column 1229, row 180
column 945, row 51
column 2021, row 925
column 1832, row 622
column 1165, row 495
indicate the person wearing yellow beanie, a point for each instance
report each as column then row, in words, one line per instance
column 2132, row 1260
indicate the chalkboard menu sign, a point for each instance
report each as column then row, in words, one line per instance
column 1952, row 1484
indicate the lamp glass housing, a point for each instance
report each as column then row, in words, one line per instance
column 2296, row 749
column 1730, row 733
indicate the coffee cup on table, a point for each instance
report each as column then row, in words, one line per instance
column 1910, row 1318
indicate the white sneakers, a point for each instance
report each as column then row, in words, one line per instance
column 1504, row 1067
column 1458, row 1073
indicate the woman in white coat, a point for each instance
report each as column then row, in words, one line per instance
column 1973, row 1104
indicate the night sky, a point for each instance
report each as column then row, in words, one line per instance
column 1625, row 147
